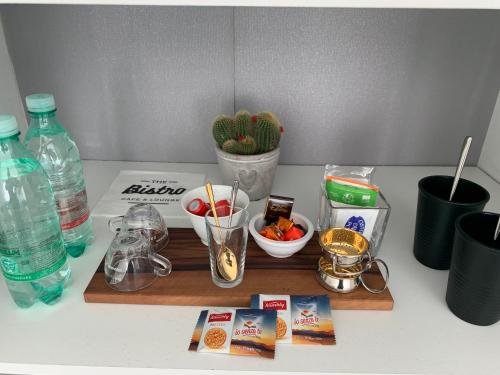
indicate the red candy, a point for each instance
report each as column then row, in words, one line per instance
column 222, row 202
column 197, row 207
column 293, row 234
column 222, row 207
column 200, row 208
column 283, row 230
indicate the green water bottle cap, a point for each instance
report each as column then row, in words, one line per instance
column 40, row 103
column 8, row 126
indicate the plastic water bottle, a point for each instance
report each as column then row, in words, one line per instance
column 32, row 254
column 57, row 153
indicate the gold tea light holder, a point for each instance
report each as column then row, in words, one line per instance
column 345, row 259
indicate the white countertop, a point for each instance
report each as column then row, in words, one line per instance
column 419, row 336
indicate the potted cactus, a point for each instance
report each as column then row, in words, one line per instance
column 247, row 149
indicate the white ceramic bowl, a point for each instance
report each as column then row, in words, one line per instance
column 281, row 249
column 220, row 192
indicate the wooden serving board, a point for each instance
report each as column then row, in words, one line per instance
column 190, row 282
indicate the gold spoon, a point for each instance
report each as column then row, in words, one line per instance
column 226, row 259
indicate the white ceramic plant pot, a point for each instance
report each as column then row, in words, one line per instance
column 254, row 172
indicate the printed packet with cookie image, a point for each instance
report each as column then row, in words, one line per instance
column 250, row 332
column 280, row 303
column 300, row 319
column 213, row 331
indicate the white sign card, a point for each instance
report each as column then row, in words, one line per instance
column 359, row 220
column 164, row 190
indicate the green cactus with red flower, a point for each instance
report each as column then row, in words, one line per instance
column 247, row 134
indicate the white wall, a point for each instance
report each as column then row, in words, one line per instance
column 489, row 160
column 351, row 86
column 10, row 100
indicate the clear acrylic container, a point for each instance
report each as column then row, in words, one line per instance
column 369, row 221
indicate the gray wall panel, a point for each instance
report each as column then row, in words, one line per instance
column 352, row 86
column 370, row 86
column 132, row 83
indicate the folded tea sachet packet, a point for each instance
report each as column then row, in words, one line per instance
column 271, row 319
column 281, row 304
column 300, row 319
column 350, row 186
column 250, row 332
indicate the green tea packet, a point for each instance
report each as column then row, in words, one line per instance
column 350, row 185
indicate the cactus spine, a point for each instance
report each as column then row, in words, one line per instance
column 223, row 129
column 243, row 124
column 271, row 117
column 247, row 145
column 267, row 133
column 231, row 146
column 247, row 134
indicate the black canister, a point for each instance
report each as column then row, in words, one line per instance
column 473, row 292
column 436, row 215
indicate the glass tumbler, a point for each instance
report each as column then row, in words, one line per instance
column 234, row 237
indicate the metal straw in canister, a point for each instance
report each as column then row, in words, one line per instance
column 460, row 166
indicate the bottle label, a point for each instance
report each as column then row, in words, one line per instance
column 33, row 263
column 73, row 211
